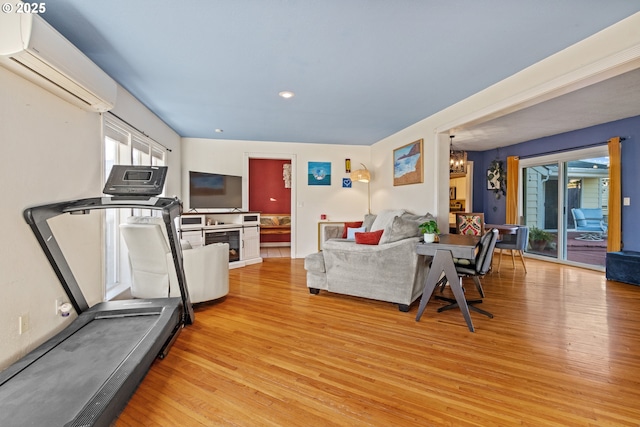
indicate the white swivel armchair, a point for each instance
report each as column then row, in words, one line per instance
column 153, row 274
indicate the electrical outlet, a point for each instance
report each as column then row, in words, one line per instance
column 23, row 324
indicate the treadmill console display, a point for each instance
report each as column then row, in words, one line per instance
column 135, row 180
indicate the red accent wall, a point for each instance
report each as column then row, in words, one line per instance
column 265, row 184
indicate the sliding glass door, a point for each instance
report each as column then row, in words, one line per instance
column 564, row 203
column 540, row 207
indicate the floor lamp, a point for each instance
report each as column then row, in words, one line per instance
column 363, row 175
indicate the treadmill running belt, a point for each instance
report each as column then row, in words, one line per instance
column 69, row 374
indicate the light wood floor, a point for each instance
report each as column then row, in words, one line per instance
column 562, row 350
column 275, row 252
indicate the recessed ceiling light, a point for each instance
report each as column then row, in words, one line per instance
column 219, row 131
column 286, row 94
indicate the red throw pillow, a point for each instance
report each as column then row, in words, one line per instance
column 356, row 224
column 369, row 238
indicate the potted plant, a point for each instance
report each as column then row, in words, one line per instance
column 539, row 238
column 429, row 229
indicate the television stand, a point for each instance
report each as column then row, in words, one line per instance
column 241, row 230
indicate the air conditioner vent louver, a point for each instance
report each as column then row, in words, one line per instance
column 33, row 49
column 74, row 94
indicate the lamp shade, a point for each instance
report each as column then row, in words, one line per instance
column 361, row 175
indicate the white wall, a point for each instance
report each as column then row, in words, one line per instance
column 46, row 144
column 52, row 151
column 339, row 204
column 419, row 198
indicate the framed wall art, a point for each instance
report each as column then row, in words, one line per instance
column 319, row 173
column 408, row 164
column 496, row 179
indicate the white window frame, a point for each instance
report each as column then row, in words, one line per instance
column 127, row 146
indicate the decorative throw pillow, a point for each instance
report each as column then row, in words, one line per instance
column 348, row 225
column 470, row 224
column 400, row 229
column 368, row 221
column 369, row 237
column 385, row 219
column 351, row 232
column 419, row 219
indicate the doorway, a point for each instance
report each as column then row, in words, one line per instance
column 271, row 191
column 460, row 194
column 565, row 205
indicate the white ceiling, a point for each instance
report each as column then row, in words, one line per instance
column 613, row 99
column 361, row 69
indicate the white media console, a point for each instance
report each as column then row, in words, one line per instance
column 241, row 230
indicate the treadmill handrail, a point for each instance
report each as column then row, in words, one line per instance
column 38, row 216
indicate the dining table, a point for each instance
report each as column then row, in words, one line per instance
column 443, row 252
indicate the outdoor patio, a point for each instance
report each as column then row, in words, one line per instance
column 587, row 249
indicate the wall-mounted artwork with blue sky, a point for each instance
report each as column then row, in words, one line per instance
column 319, row 173
column 407, row 164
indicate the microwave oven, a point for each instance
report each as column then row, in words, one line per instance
column 189, row 222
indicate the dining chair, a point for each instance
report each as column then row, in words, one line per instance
column 514, row 243
column 475, row 269
column 470, row 223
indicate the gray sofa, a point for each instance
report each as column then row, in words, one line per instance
column 389, row 271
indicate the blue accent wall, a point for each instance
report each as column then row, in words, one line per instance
column 495, row 209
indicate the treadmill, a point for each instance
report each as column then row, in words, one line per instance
column 86, row 374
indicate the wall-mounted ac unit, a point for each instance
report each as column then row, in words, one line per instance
column 30, row 47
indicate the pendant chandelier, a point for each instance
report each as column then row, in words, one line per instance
column 457, row 159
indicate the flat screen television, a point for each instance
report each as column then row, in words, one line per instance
column 214, row 191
